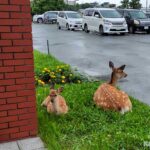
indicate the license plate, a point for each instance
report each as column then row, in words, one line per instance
column 146, row 27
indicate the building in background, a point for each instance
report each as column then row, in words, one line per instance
column 70, row 2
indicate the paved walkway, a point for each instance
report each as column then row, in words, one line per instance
column 25, row 144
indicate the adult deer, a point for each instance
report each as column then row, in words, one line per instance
column 55, row 103
column 108, row 96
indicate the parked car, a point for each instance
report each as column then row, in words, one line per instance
column 136, row 20
column 70, row 20
column 38, row 18
column 148, row 14
column 47, row 17
column 50, row 17
column 104, row 21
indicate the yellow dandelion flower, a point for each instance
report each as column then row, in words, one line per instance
column 63, row 81
column 71, row 75
column 63, row 77
column 60, row 70
column 57, row 67
column 79, row 81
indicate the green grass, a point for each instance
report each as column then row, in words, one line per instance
column 87, row 127
column 44, row 61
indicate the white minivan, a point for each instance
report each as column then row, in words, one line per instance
column 104, row 20
column 70, row 20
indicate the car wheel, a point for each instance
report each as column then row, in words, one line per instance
column 101, row 30
column 40, row 20
column 131, row 29
column 58, row 26
column 67, row 26
column 86, row 28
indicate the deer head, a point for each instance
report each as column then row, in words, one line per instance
column 54, row 93
column 117, row 73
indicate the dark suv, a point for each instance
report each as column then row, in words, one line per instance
column 136, row 20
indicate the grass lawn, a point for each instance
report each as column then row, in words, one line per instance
column 87, row 127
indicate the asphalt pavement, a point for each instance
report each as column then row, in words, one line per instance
column 90, row 53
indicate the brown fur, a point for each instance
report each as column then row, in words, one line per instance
column 107, row 96
column 55, row 103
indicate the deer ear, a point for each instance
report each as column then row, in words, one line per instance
column 52, row 86
column 111, row 64
column 60, row 89
column 122, row 67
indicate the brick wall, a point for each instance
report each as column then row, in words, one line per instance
column 17, row 91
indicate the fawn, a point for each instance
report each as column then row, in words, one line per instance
column 55, row 103
column 108, row 96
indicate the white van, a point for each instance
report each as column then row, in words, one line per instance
column 104, row 20
column 69, row 19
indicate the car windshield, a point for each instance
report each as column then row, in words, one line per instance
column 138, row 15
column 73, row 15
column 110, row 14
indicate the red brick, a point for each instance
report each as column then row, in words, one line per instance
column 10, row 22
column 25, row 92
column 24, row 80
column 9, row 130
column 2, row 101
column 8, row 119
column 6, row 56
column 29, row 62
column 22, row 2
column 26, row 104
column 23, row 55
column 30, row 86
column 13, row 62
column 28, row 49
column 21, row 29
column 4, row 15
column 32, row 110
column 25, row 9
column 9, row 8
column 2, row 89
column 17, row 112
column 27, row 21
column 7, row 82
column 4, row 2
column 8, row 107
column 12, row 49
column 16, row 100
column 33, row 132
column 3, row 113
column 22, row 42
column 15, row 87
column 1, row 63
column 29, row 74
column 27, row 128
column 4, row 29
column 14, row 75
column 19, row 135
column 4, row 137
column 11, row 35
column 5, row 43
column 27, row 35
column 27, row 116
column 24, row 68
column 31, row 98
column 20, row 15
column 3, row 126
column 1, row 76
column 18, row 123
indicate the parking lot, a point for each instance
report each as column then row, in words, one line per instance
column 90, row 53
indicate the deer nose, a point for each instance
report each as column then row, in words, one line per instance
column 125, row 75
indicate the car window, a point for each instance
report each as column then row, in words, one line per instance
column 138, row 15
column 90, row 13
column 110, row 14
column 126, row 14
column 73, row 15
column 97, row 14
column 61, row 15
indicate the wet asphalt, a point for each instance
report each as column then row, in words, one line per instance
column 90, row 53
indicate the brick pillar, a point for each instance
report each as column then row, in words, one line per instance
column 17, row 91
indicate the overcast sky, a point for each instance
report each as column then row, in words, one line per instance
column 112, row 1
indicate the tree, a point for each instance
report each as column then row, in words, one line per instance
column 125, row 4
column 135, row 4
